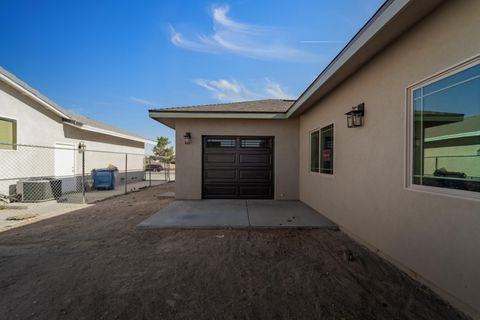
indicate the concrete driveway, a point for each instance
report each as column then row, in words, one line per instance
column 237, row 214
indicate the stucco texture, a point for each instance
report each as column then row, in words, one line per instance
column 189, row 156
column 435, row 236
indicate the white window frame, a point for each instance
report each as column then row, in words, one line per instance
column 16, row 133
column 409, row 185
column 319, row 129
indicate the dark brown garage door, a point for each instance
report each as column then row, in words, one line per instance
column 237, row 167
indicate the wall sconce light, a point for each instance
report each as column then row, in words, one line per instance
column 82, row 146
column 187, row 137
column 355, row 117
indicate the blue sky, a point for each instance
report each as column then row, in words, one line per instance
column 113, row 60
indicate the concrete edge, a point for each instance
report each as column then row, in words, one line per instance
column 148, row 227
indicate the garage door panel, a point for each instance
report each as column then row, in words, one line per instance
column 237, row 167
column 255, row 191
column 221, row 158
column 255, row 159
column 220, row 174
column 255, row 174
column 219, row 190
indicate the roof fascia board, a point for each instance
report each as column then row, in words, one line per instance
column 216, row 115
column 32, row 96
column 108, row 132
column 390, row 11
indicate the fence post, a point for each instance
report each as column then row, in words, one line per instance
column 126, row 172
column 83, row 177
column 149, row 171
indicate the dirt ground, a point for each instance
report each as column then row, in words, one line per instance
column 95, row 264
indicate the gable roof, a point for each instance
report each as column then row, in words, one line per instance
column 69, row 118
column 267, row 105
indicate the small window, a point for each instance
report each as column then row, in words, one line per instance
column 221, row 143
column 446, row 132
column 8, row 134
column 314, row 151
column 326, row 150
column 253, row 143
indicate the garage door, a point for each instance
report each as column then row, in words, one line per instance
column 237, row 167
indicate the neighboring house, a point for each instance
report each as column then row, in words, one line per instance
column 29, row 118
column 375, row 181
column 454, row 147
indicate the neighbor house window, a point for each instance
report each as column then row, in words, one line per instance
column 314, row 151
column 446, row 132
column 326, row 149
column 321, row 150
column 8, row 134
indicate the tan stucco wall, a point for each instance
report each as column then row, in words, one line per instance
column 189, row 157
column 436, row 236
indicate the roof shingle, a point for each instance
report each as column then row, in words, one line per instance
column 256, row 106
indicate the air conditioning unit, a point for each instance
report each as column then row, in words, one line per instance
column 39, row 189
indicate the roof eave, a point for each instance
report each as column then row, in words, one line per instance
column 107, row 132
column 157, row 115
column 24, row 91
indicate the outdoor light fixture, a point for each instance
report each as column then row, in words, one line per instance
column 187, row 137
column 82, row 146
column 355, row 117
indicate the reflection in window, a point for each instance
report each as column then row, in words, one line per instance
column 314, row 151
column 8, row 134
column 326, row 149
column 446, row 149
column 253, row 143
column 221, row 143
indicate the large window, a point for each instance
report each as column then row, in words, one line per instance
column 321, row 150
column 8, row 134
column 446, row 132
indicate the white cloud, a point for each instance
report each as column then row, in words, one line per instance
column 274, row 90
column 321, row 41
column 232, row 90
column 230, row 36
column 141, row 101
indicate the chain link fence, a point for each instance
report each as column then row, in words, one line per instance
column 34, row 175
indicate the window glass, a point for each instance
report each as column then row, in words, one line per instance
column 253, row 143
column 314, row 151
column 221, row 143
column 326, row 149
column 8, row 134
column 446, row 146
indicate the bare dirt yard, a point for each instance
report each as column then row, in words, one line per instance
column 95, row 264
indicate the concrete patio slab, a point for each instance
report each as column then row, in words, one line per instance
column 271, row 213
column 200, row 214
column 191, row 214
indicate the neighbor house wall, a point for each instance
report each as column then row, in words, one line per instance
column 435, row 236
column 40, row 127
column 189, row 156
